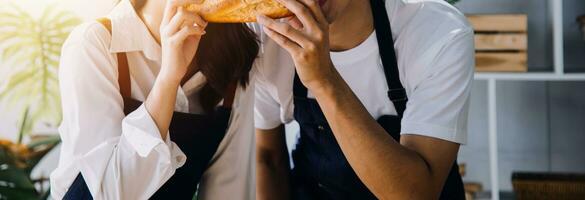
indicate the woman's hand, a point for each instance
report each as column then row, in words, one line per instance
column 180, row 32
column 306, row 37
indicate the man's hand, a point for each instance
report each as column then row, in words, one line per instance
column 306, row 38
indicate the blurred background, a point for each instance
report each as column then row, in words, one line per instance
column 526, row 122
column 31, row 35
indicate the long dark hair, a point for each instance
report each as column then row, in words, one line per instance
column 225, row 56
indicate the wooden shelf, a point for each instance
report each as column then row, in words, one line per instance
column 530, row 76
column 557, row 74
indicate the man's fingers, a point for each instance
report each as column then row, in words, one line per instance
column 282, row 41
column 284, row 29
column 294, row 22
column 301, row 12
column 315, row 8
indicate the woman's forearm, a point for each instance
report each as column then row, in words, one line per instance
column 160, row 102
column 181, row 32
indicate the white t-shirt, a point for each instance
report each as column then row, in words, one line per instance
column 435, row 54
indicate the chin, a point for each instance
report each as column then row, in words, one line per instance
column 329, row 14
column 330, row 18
column 332, row 9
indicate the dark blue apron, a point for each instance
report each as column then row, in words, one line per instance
column 198, row 136
column 321, row 171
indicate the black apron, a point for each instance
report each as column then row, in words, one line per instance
column 198, row 136
column 321, row 171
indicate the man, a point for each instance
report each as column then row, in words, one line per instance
column 380, row 90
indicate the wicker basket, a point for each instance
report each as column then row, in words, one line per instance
column 535, row 186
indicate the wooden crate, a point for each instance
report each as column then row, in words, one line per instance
column 537, row 186
column 501, row 42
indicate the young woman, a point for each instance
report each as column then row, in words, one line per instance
column 140, row 91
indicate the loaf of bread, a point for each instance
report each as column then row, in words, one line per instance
column 237, row 11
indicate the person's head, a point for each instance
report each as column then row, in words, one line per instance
column 225, row 56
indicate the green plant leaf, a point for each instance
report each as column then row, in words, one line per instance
column 7, row 37
column 17, row 48
column 14, row 182
column 6, row 157
column 32, row 48
column 18, row 194
column 44, row 141
column 14, row 178
column 46, row 195
column 9, row 15
column 452, row 1
column 17, row 79
column 40, row 149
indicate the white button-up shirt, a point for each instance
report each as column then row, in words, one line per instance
column 124, row 157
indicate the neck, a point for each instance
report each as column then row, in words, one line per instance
column 358, row 16
column 151, row 14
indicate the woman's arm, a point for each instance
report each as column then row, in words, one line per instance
column 120, row 157
column 111, row 151
column 180, row 32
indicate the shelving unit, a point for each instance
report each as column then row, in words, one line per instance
column 558, row 74
column 530, row 76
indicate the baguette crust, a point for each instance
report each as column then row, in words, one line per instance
column 238, row 11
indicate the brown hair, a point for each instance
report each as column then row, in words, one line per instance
column 225, row 56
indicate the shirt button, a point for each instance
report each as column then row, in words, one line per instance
column 321, row 128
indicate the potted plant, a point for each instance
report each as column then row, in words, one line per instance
column 30, row 49
column 18, row 161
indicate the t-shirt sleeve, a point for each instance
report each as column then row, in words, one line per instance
column 266, row 107
column 438, row 105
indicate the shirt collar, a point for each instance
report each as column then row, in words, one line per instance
column 129, row 33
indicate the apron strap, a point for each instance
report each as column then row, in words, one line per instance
column 299, row 90
column 396, row 92
column 123, row 68
column 124, row 74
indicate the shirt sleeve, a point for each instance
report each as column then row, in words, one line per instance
column 120, row 157
column 439, row 103
column 267, row 114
